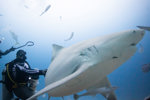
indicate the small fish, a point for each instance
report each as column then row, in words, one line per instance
column 144, row 27
column 93, row 92
column 14, row 36
column 46, row 9
column 141, row 49
column 70, row 37
column 146, row 68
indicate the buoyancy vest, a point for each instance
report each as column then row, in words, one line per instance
column 12, row 77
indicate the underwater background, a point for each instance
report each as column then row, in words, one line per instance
column 84, row 19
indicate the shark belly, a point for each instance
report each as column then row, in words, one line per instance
column 94, row 74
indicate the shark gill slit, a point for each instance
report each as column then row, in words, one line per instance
column 114, row 57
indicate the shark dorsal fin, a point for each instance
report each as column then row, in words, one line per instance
column 55, row 50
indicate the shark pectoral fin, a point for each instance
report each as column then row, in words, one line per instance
column 60, row 83
column 55, row 50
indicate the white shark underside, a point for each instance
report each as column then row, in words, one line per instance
column 86, row 64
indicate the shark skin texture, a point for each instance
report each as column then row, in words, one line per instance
column 85, row 65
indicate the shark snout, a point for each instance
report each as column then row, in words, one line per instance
column 135, row 36
column 141, row 32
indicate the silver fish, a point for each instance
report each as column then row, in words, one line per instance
column 70, row 37
column 46, row 9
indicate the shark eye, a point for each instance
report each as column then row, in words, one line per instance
column 134, row 31
column 133, row 44
column 82, row 54
column 114, row 57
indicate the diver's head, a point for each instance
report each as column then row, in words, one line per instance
column 21, row 54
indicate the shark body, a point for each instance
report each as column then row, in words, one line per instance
column 85, row 65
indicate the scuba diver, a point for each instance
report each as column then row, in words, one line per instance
column 19, row 78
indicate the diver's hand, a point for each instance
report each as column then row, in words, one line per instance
column 42, row 72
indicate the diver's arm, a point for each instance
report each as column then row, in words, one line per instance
column 8, row 51
column 1, row 53
column 32, row 71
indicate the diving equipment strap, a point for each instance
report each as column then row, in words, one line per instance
column 15, row 84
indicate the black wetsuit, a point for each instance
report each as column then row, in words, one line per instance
column 20, row 72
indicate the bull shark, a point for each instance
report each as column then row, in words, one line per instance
column 85, row 65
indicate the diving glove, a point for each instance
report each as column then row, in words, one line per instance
column 42, row 72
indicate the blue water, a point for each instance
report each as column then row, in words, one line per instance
column 87, row 19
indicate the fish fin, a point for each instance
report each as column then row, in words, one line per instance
column 55, row 50
column 104, row 83
column 61, row 83
column 144, row 27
